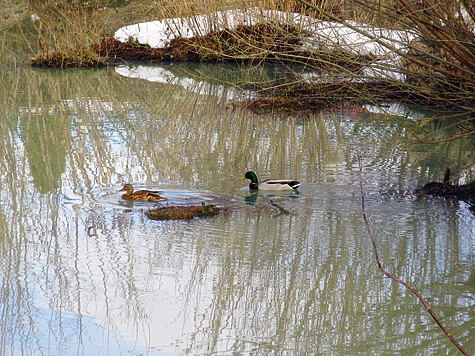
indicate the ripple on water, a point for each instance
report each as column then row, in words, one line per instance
column 110, row 199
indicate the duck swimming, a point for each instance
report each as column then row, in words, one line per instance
column 270, row 184
column 140, row 195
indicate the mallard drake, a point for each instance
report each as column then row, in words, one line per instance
column 270, row 184
column 140, row 195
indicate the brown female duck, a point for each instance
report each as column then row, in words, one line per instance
column 140, row 195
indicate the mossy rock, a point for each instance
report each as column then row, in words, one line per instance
column 182, row 212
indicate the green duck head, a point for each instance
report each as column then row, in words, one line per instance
column 251, row 176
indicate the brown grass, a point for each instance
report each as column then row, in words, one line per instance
column 181, row 212
column 67, row 60
column 66, row 29
column 321, row 96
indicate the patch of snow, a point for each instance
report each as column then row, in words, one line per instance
column 380, row 42
column 359, row 39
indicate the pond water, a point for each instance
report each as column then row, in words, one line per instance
column 85, row 273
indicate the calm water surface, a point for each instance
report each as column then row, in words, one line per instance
column 84, row 273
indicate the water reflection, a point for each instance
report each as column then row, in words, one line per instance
column 44, row 138
column 85, row 273
column 267, row 196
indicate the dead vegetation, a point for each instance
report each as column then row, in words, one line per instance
column 182, row 212
column 262, row 43
column 316, row 96
column 438, row 69
column 64, row 31
column 68, row 60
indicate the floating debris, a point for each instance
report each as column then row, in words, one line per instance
column 182, row 212
column 462, row 192
column 447, row 189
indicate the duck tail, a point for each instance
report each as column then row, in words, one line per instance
column 294, row 184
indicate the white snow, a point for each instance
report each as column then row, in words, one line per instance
column 380, row 42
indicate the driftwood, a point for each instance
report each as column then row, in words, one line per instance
column 449, row 190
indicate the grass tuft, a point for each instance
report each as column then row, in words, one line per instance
column 64, row 31
column 67, row 60
column 180, row 212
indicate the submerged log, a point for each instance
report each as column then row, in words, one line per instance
column 181, row 212
column 447, row 189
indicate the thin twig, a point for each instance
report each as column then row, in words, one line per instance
column 459, row 264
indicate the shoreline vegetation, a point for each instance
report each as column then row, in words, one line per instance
column 370, row 53
column 420, row 54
